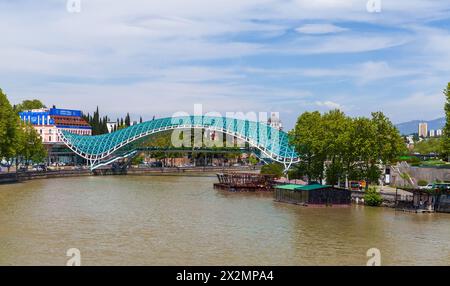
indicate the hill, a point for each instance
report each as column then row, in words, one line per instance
column 412, row 126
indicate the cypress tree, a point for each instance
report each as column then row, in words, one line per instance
column 446, row 131
column 127, row 120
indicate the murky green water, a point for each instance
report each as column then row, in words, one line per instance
column 172, row 220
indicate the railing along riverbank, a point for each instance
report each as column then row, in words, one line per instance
column 31, row 175
column 187, row 171
column 12, row 177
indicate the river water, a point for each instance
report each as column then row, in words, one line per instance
column 178, row 220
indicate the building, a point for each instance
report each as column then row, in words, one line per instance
column 436, row 199
column 48, row 121
column 423, row 129
column 432, row 133
column 111, row 125
column 274, row 121
column 313, row 195
column 439, row 132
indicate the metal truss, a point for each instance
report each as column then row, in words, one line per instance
column 104, row 149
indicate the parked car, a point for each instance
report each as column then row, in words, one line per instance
column 427, row 187
column 40, row 168
column 23, row 168
column 156, row 164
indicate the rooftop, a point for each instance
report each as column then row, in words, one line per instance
column 294, row 187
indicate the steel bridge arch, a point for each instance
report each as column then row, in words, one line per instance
column 102, row 149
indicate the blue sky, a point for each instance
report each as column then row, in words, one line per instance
column 160, row 57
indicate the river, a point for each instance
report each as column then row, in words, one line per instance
column 179, row 220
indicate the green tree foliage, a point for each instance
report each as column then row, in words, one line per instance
column 308, row 138
column 427, row 146
column 98, row 124
column 30, row 147
column 275, row 169
column 9, row 128
column 127, row 120
column 372, row 198
column 253, row 160
column 137, row 159
column 17, row 139
column 28, row 104
column 446, row 131
column 422, row 183
column 337, row 147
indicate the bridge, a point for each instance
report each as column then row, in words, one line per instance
column 271, row 144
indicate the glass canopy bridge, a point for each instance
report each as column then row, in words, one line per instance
column 271, row 144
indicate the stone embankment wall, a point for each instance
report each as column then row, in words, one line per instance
column 418, row 173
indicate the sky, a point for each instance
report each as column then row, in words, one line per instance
column 288, row 56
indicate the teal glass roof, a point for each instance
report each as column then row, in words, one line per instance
column 270, row 141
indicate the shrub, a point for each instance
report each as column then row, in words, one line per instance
column 373, row 198
column 422, row 183
column 275, row 169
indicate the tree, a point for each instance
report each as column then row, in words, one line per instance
column 28, row 105
column 253, row 160
column 308, row 139
column 336, row 143
column 344, row 148
column 427, row 146
column 127, row 120
column 388, row 141
column 9, row 128
column 446, row 132
column 30, row 147
column 422, row 183
column 275, row 169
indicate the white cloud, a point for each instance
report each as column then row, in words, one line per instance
column 419, row 105
column 329, row 104
column 155, row 56
column 320, row 29
column 349, row 44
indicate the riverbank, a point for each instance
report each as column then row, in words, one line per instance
column 32, row 175
column 8, row 178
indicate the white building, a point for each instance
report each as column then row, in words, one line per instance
column 432, row 133
column 423, row 129
column 439, row 132
column 47, row 122
column 274, row 121
column 111, row 125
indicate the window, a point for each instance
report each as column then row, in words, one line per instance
column 50, row 138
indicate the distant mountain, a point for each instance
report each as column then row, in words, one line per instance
column 411, row 127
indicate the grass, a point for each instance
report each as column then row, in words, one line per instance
column 434, row 163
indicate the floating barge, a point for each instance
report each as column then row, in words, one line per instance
column 425, row 200
column 244, row 182
column 314, row 195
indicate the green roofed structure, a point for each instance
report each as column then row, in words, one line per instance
column 312, row 195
